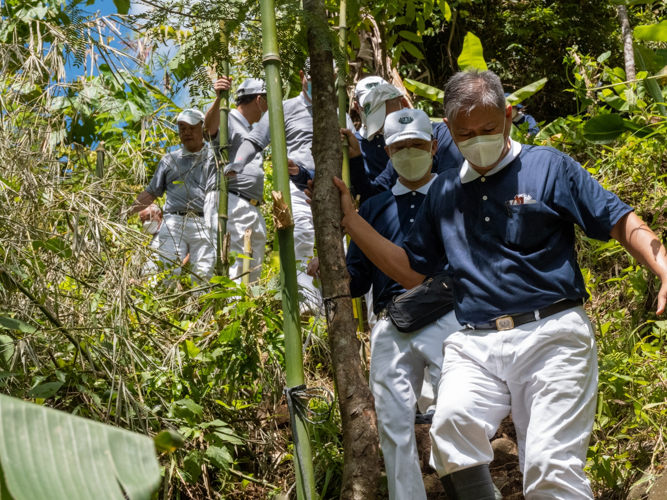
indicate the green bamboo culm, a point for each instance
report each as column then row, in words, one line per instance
column 342, row 122
column 291, row 319
column 222, row 258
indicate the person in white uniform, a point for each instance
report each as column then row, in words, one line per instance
column 185, row 175
column 246, row 189
column 400, row 361
column 505, row 223
column 298, row 113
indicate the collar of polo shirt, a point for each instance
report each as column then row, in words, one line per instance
column 468, row 174
column 399, row 189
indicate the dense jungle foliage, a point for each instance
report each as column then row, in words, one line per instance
column 86, row 330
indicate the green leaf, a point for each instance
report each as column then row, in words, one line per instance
column 192, row 465
column 187, row 409
column 603, row 129
column 51, row 454
column 414, row 51
column 525, row 92
column 122, row 6
column 191, row 349
column 45, row 391
column 219, row 457
column 16, row 324
column 423, row 90
column 408, row 35
column 168, row 441
column 472, row 55
column 6, row 351
column 652, row 33
column 445, row 9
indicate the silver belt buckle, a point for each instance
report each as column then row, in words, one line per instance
column 504, row 323
column 384, row 314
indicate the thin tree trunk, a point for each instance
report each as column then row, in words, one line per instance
column 361, row 466
column 628, row 51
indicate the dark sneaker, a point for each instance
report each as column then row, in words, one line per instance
column 425, row 418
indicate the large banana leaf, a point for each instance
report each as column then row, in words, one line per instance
column 525, row 92
column 423, row 90
column 603, row 129
column 49, row 454
column 652, row 33
column 472, row 55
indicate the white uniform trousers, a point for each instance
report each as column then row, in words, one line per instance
column 545, row 372
column 304, row 248
column 241, row 216
column 398, row 361
column 180, row 235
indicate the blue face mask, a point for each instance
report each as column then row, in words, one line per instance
column 309, row 92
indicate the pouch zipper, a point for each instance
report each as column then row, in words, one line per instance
column 407, row 294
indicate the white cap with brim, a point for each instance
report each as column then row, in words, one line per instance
column 191, row 116
column 251, row 86
column 365, row 85
column 407, row 124
column 375, row 109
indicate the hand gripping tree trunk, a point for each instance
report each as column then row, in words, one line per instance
column 361, row 467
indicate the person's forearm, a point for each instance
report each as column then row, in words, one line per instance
column 387, row 256
column 642, row 243
column 212, row 118
column 143, row 201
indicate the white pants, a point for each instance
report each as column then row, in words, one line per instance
column 304, row 247
column 180, row 235
column 241, row 216
column 398, row 361
column 545, row 372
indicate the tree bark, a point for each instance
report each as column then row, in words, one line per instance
column 361, row 465
column 628, row 50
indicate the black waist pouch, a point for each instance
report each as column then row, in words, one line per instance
column 422, row 305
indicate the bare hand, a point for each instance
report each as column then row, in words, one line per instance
column 222, row 83
column 292, row 167
column 313, row 269
column 231, row 174
column 355, row 149
column 662, row 298
column 309, row 191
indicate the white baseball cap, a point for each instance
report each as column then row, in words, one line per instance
column 191, row 116
column 251, row 86
column 407, row 124
column 375, row 108
column 365, row 85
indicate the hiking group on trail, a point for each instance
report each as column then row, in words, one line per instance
column 464, row 246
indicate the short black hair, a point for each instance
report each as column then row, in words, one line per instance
column 247, row 99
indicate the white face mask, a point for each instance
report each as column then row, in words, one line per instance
column 151, row 226
column 411, row 163
column 484, row 150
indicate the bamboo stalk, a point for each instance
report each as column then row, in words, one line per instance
column 222, row 260
column 290, row 298
column 342, row 122
column 247, row 251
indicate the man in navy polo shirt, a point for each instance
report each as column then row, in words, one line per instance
column 505, row 223
column 399, row 360
column 373, row 157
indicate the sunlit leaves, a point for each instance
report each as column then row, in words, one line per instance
column 652, row 33
column 472, row 55
column 524, row 93
column 423, row 90
column 123, row 6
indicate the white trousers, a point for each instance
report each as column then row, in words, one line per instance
column 241, row 216
column 398, row 361
column 545, row 373
column 304, row 248
column 180, row 235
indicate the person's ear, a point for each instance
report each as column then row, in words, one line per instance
column 404, row 102
column 434, row 147
column 388, row 150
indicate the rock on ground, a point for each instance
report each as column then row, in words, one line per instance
column 504, row 468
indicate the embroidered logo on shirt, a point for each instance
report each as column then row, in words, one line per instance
column 404, row 120
column 522, row 199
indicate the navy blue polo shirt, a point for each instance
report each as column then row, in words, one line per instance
column 507, row 258
column 391, row 214
column 447, row 156
column 374, row 156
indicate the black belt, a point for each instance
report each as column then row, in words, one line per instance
column 250, row 200
column 513, row 320
column 200, row 214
